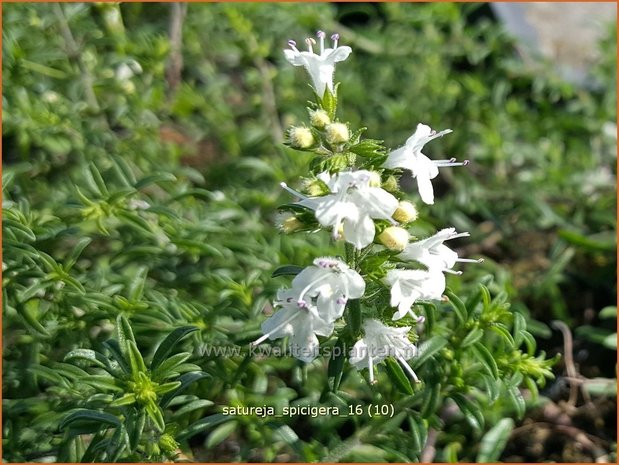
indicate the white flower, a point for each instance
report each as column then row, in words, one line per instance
column 320, row 67
column 380, row 342
column 298, row 320
column 423, row 169
column 317, row 298
column 328, row 285
column 352, row 204
column 432, row 253
column 408, row 286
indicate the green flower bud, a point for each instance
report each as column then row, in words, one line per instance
column 375, row 180
column 319, row 118
column 300, row 138
column 394, row 238
column 391, row 184
column 405, row 213
column 337, row 133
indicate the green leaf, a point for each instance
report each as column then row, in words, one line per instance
column 102, row 383
column 136, row 362
column 336, row 364
column 219, row 434
column 472, row 337
column 154, row 179
column 458, row 306
column 116, row 353
column 127, row 399
column 517, row 401
column 170, row 343
column 502, row 331
column 167, row 387
column 186, row 380
column 432, row 400
column 493, row 387
column 494, row 441
column 30, row 320
column 125, row 333
column 427, row 349
column 156, row 415
column 136, row 420
column 136, row 286
column 470, row 410
column 486, row 359
column 192, row 407
column 287, row 270
column 354, row 316
column 85, row 416
column 94, row 358
column 608, row 312
column 202, row 425
column 450, row 452
column 397, row 376
column 520, row 325
column 70, row 260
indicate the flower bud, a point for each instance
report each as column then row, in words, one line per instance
column 391, row 184
column 405, row 213
column 337, row 133
column 290, row 225
column 394, row 238
column 319, row 118
column 375, row 180
column 300, row 138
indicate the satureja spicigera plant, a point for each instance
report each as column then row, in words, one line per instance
column 381, row 301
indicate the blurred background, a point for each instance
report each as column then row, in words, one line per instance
column 195, row 99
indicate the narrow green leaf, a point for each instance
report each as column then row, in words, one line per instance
column 471, row 338
column 520, row 325
column 77, row 250
column 136, row 420
column 335, row 370
column 398, row 377
column 186, row 380
column 354, row 316
column 102, row 383
column 156, row 415
column 486, row 358
column 220, row 433
column 94, row 358
column 192, row 407
column 167, row 387
column 202, row 425
column 136, row 362
column 169, row 344
column 127, row 399
column 494, row 441
column 136, row 286
column 287, row 270
column 431, row 400
column 458, row 306
column 125, row 333
column 92, row 416
column 517, row 401
column 154, row 179
column 427, row 349
column 471, row 412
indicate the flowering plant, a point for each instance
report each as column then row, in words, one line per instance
column 380, row 300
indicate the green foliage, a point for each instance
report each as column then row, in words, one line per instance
column 138, row 229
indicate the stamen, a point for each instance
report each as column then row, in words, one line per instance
column 292, row 191
column 470, row 260
column 321, row 36
column 371, row 368
column 310, row 285
column 421, row 319
column 335, row 37
column 293, row 45
column 310, row 41
column 450, row 271
column 446, row 163
column 277, row 328
column 407, row 367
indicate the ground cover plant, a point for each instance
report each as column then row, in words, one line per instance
column 143, row 268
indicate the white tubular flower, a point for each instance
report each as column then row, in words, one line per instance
column 352, row 204
column 327, row 285
column 409, row 286
column 409, row 157
column 320, row 67
column 298, row 320
column 380, row 342
column 432, row 253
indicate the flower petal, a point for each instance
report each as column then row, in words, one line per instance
column 359, row 233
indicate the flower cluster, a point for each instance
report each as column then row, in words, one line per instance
column 362, row 206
